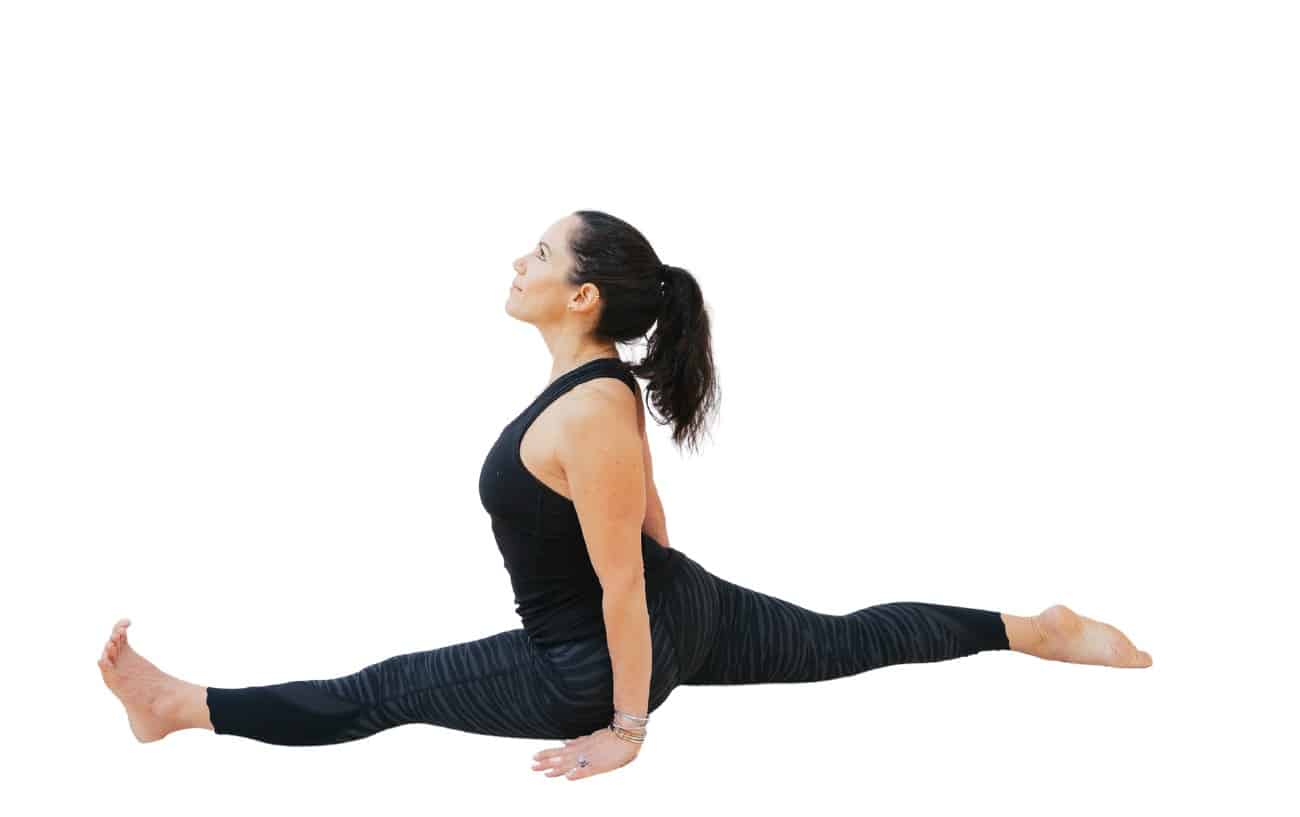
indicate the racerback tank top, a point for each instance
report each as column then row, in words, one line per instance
column 557, row 593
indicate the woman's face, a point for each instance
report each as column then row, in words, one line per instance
column 540, row 292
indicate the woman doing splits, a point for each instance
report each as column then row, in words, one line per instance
column 613, row 618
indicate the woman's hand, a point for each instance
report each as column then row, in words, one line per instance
column 603, row 749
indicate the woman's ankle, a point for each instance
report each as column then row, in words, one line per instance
column 186, row 706
column 1025, row 634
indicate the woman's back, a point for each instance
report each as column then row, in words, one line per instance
column 557, row 592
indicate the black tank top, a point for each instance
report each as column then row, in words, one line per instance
column 557, row 592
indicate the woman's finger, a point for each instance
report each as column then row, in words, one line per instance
column 561, row 768
column 553, row 751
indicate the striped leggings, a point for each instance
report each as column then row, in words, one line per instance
column 704, row 631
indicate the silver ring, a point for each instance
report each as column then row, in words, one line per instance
column 582, row 761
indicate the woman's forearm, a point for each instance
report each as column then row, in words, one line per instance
column 627, row 628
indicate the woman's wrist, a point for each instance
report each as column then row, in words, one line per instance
column 630, row 718
column 629, row 726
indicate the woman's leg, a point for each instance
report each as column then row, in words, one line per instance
column 499, row 685
column 587, row 677
column 735, row 635
column 503, row 685
column 764, row 639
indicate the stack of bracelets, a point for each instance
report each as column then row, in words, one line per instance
column 634, row 732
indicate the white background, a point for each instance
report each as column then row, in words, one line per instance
column 1003, row 316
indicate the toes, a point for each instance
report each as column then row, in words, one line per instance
column 1143, row 659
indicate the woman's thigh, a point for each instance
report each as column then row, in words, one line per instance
column 691, row 609
column 586, row 676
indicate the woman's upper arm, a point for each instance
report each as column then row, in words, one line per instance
column 652, row 493
column 602, row 455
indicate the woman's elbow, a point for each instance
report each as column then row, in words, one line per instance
column 624, row 584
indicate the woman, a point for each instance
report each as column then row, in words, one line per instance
column 613, row 618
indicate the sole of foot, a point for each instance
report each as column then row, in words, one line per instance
column 151, row 697
column 1068, row 636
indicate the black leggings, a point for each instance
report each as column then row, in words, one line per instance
column 704, row 631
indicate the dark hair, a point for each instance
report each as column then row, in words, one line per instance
column 639, row 292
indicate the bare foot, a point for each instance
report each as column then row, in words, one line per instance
column 1068, row 636
column 153, row 699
